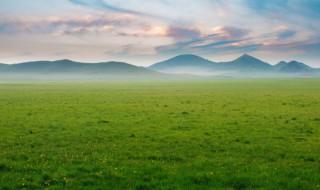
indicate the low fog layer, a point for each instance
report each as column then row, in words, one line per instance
column 179, row 67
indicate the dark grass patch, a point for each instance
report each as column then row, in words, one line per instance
column 201, row 180
column 103, row 122
column 308, row 159
column 240, row 183
column 185, row 113
column 4, row 168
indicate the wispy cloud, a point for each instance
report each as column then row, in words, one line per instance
column 100, row 4
column 221, row 37
column 122, row 25
column 285, row 34
column 229, row 32
column 104, row 5
column 183, row 33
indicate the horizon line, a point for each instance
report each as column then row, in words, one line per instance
column 171, row 57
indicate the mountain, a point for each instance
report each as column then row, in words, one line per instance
column 71, row 67
column 243, row 66
column 247, row 63
column 187, row 63
column 3, row 65
column 187, row 60
column 293, row 67
column 194, row 65
column 41, row 67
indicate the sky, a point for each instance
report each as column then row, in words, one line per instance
column 143, row 32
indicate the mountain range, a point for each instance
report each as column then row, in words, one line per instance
column 182, row 64
column 245, row 64
column 68, row 66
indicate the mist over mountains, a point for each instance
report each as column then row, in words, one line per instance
column 68, row 67
column 245, row 64
column 188, row 64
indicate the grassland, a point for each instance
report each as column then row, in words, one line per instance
column 223, row 134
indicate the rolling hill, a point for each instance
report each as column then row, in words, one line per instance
column 71, row 70
column 3, row 65
column 245, row 64
column 292, row 67
column 187, row 63
column 193, row 64
column 71, row 67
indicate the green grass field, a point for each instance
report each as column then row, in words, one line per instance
column 223, row 134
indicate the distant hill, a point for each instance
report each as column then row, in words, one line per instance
column 187, row 63
column 71, row 67
column 293, row 67
column 3, row 65
column 247, row 63
column 194, row 64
